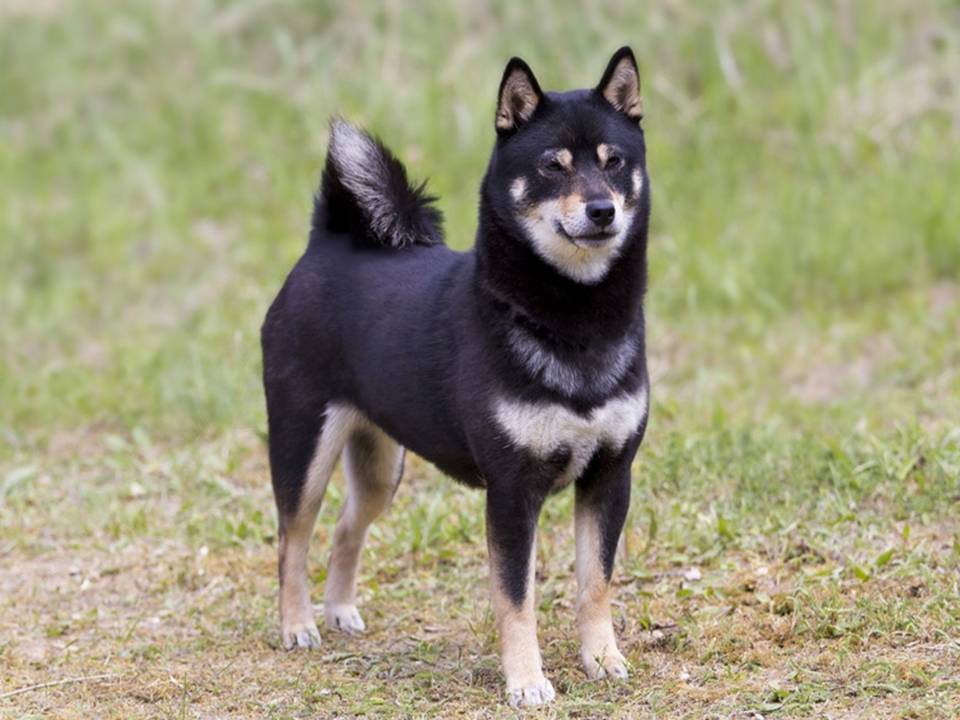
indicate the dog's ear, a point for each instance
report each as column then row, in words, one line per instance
column 620, row 85
column 518, row 98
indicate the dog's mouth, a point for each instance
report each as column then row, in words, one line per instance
column 597, row 239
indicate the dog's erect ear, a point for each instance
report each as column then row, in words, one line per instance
column 519, row 96
column 620, row 85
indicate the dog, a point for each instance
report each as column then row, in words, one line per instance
column 518, row 367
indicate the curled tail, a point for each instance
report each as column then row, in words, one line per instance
column 365, row 191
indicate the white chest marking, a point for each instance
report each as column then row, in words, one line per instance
column 544, row 428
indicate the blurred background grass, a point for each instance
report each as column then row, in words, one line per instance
column 157, row 165
column 158, row 160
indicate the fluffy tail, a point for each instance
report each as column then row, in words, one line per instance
column 365, row 191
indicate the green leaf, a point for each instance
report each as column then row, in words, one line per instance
column 16, row 477
column 884, row 558
column 907, row 468
column 724, row 529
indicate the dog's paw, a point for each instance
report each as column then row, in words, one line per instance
column 611, row 664
column 537, row 693
column 344, row 618
column 303, row 636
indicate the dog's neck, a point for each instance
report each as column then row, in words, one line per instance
column 511, row 277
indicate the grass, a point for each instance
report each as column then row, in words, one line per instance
column 793, row 546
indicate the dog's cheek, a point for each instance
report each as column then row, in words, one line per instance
column 545, row 211
column 518, row 190
column 636, row 183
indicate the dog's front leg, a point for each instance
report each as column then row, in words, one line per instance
column 511, row 538
column 602, row 500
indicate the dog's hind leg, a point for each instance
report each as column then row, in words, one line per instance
column 373, row 463
column 303, row 453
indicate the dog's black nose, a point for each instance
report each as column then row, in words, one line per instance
column 601, row 212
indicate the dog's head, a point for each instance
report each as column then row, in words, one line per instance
column 568, row 171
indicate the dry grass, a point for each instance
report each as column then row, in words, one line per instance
column 178, row 608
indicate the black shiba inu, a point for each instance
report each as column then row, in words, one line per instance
column 518, row 367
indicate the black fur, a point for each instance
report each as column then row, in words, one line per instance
column 408, row 211
column 416, row 335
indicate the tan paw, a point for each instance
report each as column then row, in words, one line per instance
column 344, row 618
column 609, row 664
column 539, row 692
column 302, row 635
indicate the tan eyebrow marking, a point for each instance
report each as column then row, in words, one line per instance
column 603, row 153
column 565, row 158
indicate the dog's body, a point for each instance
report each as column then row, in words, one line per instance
column 518, row 367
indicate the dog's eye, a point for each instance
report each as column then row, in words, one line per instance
column 554, row 165
column 556, row 162
column 613, row 162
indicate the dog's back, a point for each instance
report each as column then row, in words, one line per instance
column 364, row 318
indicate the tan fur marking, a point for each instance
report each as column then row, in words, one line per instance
column 637, row 182
column 572, row 203
column 296, row 612
column 623, row 89
column 517, row 630
column 598, row 643
column 372, row 466
column 518, row 188
column 603, row 153
column 568, row 205
column 297, row 625
column 565, row 158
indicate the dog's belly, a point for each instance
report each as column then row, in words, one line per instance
column 443, row 450
column 544, row 428
column 459, row 467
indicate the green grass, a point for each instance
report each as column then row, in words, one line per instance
column 157, row 161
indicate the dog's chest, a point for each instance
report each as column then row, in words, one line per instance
column 543, row 428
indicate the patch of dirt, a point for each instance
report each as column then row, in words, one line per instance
column 944, row 298
column 34, row 8
column 817, row 377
